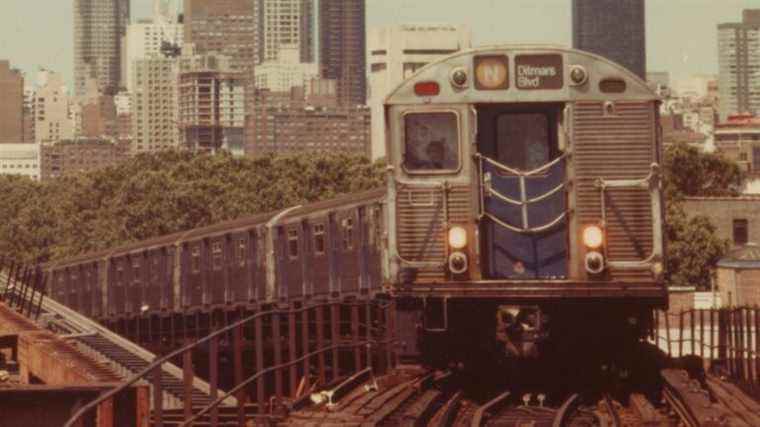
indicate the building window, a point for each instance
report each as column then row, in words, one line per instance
column 741, row 231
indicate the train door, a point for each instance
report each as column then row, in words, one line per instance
column 523, row 182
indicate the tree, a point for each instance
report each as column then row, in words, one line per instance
column 157, row 194
column 693, row 246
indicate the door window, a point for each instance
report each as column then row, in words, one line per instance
column 522, row 140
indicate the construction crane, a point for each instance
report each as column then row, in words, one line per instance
column 166, row 14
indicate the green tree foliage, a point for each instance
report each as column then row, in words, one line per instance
column 153, row 195
column 693, row 246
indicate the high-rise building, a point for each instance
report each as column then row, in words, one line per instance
column 342, row 48
column 211, row 104
column 82, row 155
column 395, row 53
column 614, row 29
column 143, row 40
column 285, row 23
column 227, row 28
column 12, row 105
column 739, row 65
column 154, row 105
column 99, row 26
column 286, row 72
column 52, row 121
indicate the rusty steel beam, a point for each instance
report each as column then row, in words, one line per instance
column 158, row 397
column 277, row 348
column 335, row 340
column 305, row 349
column 187, row 376
column 214, row 377
column 355, row 336
column 292, row 355
column 237, row 362
column 321, row 344
column 259, row 349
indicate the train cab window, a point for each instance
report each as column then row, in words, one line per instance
column 348, row 234
column 216, row 255
column 523, row 140
column 319, row 239
column 293, row 244
column 195, row 259
column 431, row 142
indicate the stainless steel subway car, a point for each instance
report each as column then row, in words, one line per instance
column 528, row 177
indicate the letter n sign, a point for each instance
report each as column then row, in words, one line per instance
column 491, row 72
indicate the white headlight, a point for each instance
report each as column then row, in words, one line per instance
column 457, row 237
column 593, row 237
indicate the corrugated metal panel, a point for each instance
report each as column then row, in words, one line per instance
column 421, row 224
column 619, row 146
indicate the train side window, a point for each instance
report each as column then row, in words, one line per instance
column 242, row 247
column 319, row 239
column 217, row 256
column 195, row 259
column 523, row 140
column 293, row 244
column 348, row 234
column 431, row 142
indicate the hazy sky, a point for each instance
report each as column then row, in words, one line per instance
column 681, row 34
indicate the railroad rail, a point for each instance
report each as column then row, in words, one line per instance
column 123, row 356
column 712, row 403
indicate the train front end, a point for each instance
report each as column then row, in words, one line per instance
column 523, row 187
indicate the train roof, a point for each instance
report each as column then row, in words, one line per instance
column 531, row 73
column 220, row 228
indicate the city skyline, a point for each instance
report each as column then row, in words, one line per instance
column 681, row 34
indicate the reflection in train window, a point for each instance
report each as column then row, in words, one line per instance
column 319, row 239
column 293, row 244
column 348, row 234
column 523, row 140
column 432, row 142
column 195, row 260
column 216, row 255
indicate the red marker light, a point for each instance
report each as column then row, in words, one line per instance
column 427, row 89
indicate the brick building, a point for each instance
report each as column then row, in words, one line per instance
column 289, row 123
column 70, row 157
column 739, row 140
column 735, row 218
column 738, row 276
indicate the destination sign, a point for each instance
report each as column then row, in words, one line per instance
column 539, row 72
column 491, row 72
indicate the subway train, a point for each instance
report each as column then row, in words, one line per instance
column 522, row 211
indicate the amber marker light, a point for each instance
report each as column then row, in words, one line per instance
column 457, row 237
column 593, row 236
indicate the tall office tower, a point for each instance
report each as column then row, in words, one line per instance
column 614, row 29
column 228, row 28
column 99, row 26
column 342, row 48
column 739, row 65
column 12, row 105
column 395, row 53
column 285, row 23
column 52, row 121
column 143, row 40
column 154, row 105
